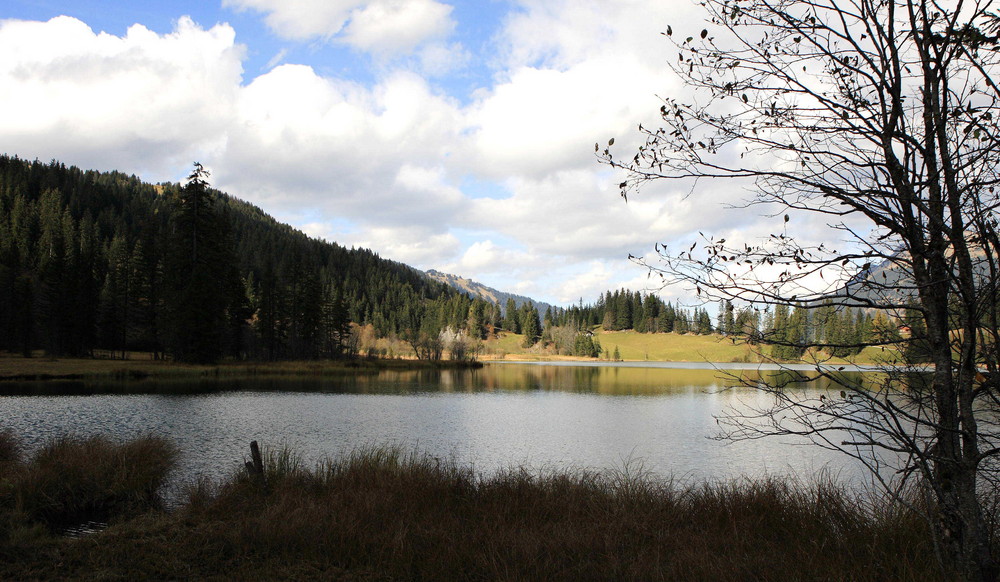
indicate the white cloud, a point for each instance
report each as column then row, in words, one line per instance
column 589, row 283
column 561, row 33
column 373, row 155
column 277, row 59
column 424, row 182
column 301, row 19
column 381, row 163
column 142, row 101
column 545, row 119
column 414, row 245
column 397, row 26
column 480, row 256
column 382, row 27
column 570, row 213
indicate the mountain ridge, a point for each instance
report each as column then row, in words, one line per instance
column 476, row 289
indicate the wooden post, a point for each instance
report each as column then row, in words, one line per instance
column 255, row 466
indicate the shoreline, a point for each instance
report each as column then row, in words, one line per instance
column 14, row 368
column 691, row 365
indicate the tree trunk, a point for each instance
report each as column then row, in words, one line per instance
column 961, row 528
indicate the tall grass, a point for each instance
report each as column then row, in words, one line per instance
column 384, row 513
column 408, row 516
column 10, row 452
column 72, row 480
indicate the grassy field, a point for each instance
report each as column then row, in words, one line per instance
column 662, row 347
column 380, row 514
column 673, row 347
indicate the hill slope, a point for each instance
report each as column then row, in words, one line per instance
column 83, row 260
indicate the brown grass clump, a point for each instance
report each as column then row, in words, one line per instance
column 72, row 480
column 10, row 452
column 382, row 514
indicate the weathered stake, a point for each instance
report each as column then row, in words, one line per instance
column 255, row 466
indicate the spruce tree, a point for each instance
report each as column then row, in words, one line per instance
column 531, row 326
column 511, row 319
column 729, row 319
column 199, row 273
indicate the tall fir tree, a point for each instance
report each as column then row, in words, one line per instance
column 511, row 319
column 531, row 326
column 199, row 274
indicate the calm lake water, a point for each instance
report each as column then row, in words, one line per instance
column 539, row 416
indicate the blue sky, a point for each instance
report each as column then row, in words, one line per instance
column 456, row 136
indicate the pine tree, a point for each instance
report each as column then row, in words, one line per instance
column 336, row 328
column 916, row 350
column 511, row 320
column 199, row 274
column 116, row 296
column 532, row 327
column 667, row 319
column 53, row 274
column 608, row 322
column 729, row 319
column 782, row 332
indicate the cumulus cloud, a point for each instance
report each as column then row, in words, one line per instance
column 558, row 34
column 415, row 245
column 377, row 26
column 381, row 163
column 482, row 256
column 555, row 214
column 369, row 154
column 301, row 19
column 545, row 119
column 570, row 75
column 397, row 26
column 144, row 101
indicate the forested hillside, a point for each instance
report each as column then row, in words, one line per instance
column 100, row 260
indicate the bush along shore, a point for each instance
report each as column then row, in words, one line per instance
column 384, row 514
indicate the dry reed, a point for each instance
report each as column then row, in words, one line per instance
column 386, row 514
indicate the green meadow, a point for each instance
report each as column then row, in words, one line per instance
column 667, row 347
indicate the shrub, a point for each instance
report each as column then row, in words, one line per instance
column 74, row 480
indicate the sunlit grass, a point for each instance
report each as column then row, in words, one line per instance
column 674, row 347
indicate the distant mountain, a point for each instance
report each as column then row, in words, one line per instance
column 482, row 291
column 891, row 280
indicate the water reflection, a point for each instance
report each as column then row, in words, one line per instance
column 544, row 417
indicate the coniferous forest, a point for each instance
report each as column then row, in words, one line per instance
column 102, row 261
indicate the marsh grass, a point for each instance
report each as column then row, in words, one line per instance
column 71, row 481
column 10, row 452
column 382, row 513
column 386, row 512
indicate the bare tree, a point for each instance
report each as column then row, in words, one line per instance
column 881, row 117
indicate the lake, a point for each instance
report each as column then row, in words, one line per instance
column 542, row 417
